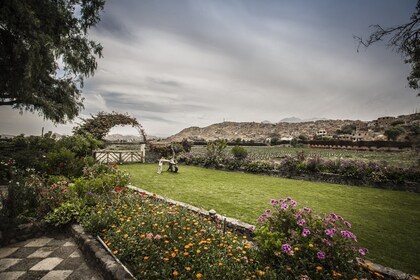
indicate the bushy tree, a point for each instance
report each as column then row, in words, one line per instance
column 45, row 54
column 392, row 133
column 239, row 152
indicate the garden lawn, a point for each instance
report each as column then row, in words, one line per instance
column 386, row 222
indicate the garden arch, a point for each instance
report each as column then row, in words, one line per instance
column 100, row 125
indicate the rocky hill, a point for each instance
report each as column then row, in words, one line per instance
column 260, row 132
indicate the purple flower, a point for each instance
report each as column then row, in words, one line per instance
column 286, row 248
column 329, row 232
column 301, row 222
column 327, row 242
column 306, row 209
column 274, row 201
column 268, row 211
column 347, row 224
column 320, row 255
column 334, row 216
column 348, row 234
column 363, row 251
column 284, row 206
column 306, row 232
column 293, row 203
column 251, row 227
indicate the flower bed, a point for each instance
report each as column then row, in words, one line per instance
column 160, row 241
column 376, row 174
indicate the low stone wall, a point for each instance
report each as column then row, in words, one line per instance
column 98, row 256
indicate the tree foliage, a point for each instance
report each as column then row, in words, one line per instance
column 45, row 54
column 100, row 124
column 403, row 39
column 393, row 132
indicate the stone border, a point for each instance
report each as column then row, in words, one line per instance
column 105, row 262
column 247, row 229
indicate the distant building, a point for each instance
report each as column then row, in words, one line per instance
column 321, row 132
column 385, row 121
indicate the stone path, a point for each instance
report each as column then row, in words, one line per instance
column 49, row 257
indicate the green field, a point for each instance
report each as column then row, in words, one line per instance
column 386, row 222
column 403, row 158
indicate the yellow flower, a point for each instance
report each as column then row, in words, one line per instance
column 199, row 275
column 198, row 251
column 205, row 248
column 175, row 273
column 261, row 273
column 118, row 231
column 296, row 249
column 125, row 235
column 220, row 264
column 311, row 245
column 115, row 252
column 142, row 236
column 267, row 267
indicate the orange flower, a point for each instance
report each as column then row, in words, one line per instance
column 175, row 273
column 145, row 258
column 220, row 264
column 186, row 253
column 199, row 275
column 198, row 251
column 173, row 255
column 319, row 268
column 296, row 248
column 188, row 268
column 261, row 273
column 166, row 259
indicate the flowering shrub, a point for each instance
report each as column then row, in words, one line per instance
column 303, row 243
column 7, row 169
column 160, row 241
column 370, row 173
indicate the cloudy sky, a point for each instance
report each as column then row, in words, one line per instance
column 174, row 64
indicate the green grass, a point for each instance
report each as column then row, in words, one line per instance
column 386, row 222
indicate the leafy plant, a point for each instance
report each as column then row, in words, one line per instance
column 67, row 212
column 239, row 152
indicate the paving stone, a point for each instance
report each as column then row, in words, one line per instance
column 57, row 274
column 75, row 254
column 42, row 252
column 11, row 275
column 63, row 252
column 69, row 243
column 24, row 265
column 5, row 252
column 6, row 263
column 23, row 252
column 70, row 264
column 39, row 242
column 47, row 264
column 32, row 275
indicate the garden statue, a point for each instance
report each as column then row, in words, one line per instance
column 173, row 165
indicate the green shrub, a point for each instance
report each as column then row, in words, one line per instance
column 64, row 162
column 239, row 152
column 67, row 212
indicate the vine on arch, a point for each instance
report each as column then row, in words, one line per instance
column 100, row 124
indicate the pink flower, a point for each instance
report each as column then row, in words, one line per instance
column 149, row 235
column 157, row 237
